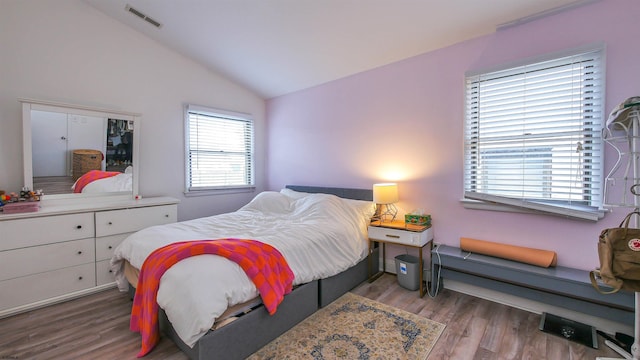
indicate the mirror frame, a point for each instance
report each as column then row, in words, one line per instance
column 30, row 104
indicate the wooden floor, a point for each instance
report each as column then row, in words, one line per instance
column 54, row 185
column 97, row 327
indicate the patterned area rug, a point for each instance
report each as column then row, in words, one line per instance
column 354, row 327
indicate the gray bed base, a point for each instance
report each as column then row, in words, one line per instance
column 257, row 328
column 251, row 331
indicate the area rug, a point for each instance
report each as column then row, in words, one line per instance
column 354, row 327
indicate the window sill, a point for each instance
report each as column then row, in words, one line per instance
column 481, row 205
column 569, row 214
column 210, row 192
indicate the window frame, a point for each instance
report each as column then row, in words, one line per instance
column 191, row 190
column 487, row 201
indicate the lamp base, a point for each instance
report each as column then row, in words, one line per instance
column 388, row 215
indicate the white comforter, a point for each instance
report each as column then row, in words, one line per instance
column 120, row 182
column 319, row 235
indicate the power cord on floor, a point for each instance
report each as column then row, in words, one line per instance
column 430, row 285
column 621, row 340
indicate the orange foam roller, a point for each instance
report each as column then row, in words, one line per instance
column 543, row 258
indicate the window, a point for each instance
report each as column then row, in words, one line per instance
column 219, row 149
column 533, row 135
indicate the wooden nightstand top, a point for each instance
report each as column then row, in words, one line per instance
column 400, row 225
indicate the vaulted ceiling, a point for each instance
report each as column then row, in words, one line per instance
column 275, row 47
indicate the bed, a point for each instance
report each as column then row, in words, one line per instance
column 328, row 257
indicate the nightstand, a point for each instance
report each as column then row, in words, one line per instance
column 399, row 233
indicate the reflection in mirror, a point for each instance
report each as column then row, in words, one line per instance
column 74, row 151
column 119, row 144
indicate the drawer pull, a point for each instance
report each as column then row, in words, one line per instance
column 167, row 215
column 393, row 236
column 110, row 271
column 109, row 223
column 79, row 252
column 79, row 277
column 79, row 227
column 110, row 247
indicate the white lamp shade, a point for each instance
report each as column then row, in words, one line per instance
column 386, row 193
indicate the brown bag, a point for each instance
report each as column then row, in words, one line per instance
column 619, row 253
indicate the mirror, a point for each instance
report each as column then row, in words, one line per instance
column 73, row 151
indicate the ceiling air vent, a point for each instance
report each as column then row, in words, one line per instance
column 142, row 16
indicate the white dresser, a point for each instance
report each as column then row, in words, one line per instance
column 63, row 251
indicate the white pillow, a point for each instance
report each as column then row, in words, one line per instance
column 270, row 201
column 364, row 207
column 294, row 194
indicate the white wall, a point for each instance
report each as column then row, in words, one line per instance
column 67, row 51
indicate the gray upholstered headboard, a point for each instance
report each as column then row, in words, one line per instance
column 356, row 194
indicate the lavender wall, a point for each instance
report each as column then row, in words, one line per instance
column 404, row 122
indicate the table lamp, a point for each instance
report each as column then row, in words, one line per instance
column 386, row 194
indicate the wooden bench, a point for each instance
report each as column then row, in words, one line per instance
column 559, row 286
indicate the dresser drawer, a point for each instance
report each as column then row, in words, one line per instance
column 105, row 245
column 28, row 289
column 104, row 275
column 37, row 259
column 404, row 237
column 131, row 220
column 35, row 231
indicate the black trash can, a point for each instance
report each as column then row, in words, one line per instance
column 408, row 271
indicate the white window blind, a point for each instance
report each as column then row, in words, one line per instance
column 533, row 135
column 219, row 149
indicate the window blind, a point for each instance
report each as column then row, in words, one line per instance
column 219, row 149
column 533, row 134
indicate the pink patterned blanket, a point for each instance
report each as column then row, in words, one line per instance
column 264, row 265
column 91, row 176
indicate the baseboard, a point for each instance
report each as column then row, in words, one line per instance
column 54, row 300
